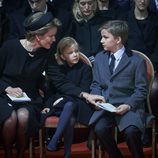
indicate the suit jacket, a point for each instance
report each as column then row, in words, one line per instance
column 127, row 85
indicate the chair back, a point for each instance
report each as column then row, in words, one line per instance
column 150, row 76
column 85, row 59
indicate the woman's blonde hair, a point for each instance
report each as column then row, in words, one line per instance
column 34, row 19
column 78, row 14
column 64, row 43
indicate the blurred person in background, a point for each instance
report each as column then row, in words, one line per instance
column 17, row 29
column 84, row 26
column 4, row 24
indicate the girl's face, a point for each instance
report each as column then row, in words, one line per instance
column 86, row 7
column 46, row 40
column 108, row 41
column 70, row 55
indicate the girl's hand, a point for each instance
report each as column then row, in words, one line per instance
column 45, row 110
column 93, row 98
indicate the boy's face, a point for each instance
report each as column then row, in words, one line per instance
column 108, row 41
column 37, row 5
column 70, row 55
column 142, row 4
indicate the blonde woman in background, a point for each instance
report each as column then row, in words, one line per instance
column 84, row 27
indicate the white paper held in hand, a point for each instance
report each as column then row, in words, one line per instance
column 23, row 98
column 107, row 106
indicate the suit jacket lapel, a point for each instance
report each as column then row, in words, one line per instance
column 123, row 63
column 106, row 64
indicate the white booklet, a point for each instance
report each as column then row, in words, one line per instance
column 107, row 106
column 23, row 98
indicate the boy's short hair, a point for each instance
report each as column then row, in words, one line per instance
column 118, row 28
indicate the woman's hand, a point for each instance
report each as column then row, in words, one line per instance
column 15, row 92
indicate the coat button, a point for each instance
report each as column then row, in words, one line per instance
column 111, row 80
column 110, row 95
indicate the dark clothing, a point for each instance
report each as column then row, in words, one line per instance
column 143, row 36
column 18, row 69
column 132, row 135
column 124, row 5
column 65, row 123
column 69, row 82
column 87, row 33
column 4, row 26
column 132, row 91
column 114, row 12
column 152, row 6
column 12, row 5
column 17, row 19
column 127, row 85
column 64, row 4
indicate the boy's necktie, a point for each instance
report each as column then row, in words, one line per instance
column 112, row 63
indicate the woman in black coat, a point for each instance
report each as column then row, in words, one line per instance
column 22, row 62
column 143, row 31
column 85, row 25
column 4, row 24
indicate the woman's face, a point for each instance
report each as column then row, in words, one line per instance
column 46, row 40
column 70, row 55
column 86, row 7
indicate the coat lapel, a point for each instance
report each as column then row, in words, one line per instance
column 106, row 64
column 122, row 64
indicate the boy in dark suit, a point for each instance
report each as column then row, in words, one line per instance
column 120, row 76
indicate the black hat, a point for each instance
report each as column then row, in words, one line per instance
column 37, row 24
